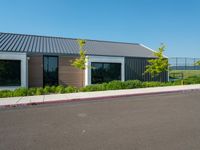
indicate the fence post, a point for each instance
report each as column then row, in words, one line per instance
column 185, row 63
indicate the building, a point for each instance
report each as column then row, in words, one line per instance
column 36, row 61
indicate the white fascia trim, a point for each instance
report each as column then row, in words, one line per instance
column 105, row 59
column 24, row 65
column 151, row 49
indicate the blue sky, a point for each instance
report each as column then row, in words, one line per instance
column 150, row 22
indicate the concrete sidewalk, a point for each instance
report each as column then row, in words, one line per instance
column 55, row 98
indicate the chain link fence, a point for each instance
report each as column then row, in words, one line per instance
column 180, row 63
column 183, row 67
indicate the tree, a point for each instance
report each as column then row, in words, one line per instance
column 197, row 63
column 159, row 64
column 79, row 63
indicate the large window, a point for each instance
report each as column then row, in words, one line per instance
column 10, row 72
column 50, row 70
column 105, row 72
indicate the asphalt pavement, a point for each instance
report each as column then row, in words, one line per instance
column 150, row 122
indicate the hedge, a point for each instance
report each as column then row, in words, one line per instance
column 113, row 85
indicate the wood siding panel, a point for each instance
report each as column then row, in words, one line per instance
column 68, row 75
column 35, row 71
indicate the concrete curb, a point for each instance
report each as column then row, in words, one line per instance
column 97, row 98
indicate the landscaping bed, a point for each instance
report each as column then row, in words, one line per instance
column 114, row 85
column 185, row 73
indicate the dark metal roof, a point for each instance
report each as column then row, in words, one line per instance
column 29, row 44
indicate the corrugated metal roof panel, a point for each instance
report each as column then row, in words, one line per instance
column 10, row 42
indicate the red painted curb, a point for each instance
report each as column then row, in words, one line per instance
column 94, row 98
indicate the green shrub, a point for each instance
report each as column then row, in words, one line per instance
column 192, row 80
column 6, row 93
column 132, row 84
column 189, row 80
column 94, row 87
column 47, row 90
column 115, row 85
column 70, row 89
column 177, row 82
column 31, row 91
column 152, row 84
column 60, row 89
column 52, row 89
column 170, row 83
column 39, row 91
column 160, row 84
column 20, row 92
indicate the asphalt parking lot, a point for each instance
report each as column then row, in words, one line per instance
column 151, row 122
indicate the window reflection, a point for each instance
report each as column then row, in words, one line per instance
column 50, row 70
column 10, row 72
column 105, row 72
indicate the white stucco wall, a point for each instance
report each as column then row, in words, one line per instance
column 105, row 59
column 24, row 67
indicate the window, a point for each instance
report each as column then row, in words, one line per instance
column 10, row 72
column 105, row 72
column 50, row 70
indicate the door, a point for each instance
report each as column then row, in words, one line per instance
column 50, row 73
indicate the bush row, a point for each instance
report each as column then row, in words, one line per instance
column 114, row 85
column 38, row 91
column 192, row 80
column 131, row 84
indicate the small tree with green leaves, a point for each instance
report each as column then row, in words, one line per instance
column 197, row 63
column 158, row 65
column 79, row 62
